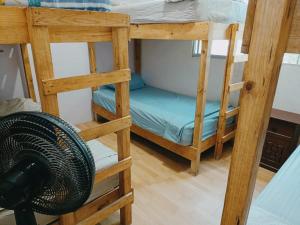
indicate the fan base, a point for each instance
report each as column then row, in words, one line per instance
column 25, row 216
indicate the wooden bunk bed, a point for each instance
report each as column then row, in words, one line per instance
column 206, row 32
column 40, row 27
column 272, row 29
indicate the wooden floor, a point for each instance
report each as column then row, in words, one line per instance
column 166, row 194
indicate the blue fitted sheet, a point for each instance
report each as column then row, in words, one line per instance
column 279, row 203
column 164, row 113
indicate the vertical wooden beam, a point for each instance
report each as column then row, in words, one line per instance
column 120, row 50
column 271, row 27
column 92, row 59
column 27, row 70
column 248, row 26
column 201, row 99
column 67, row 219
column 226, row 93
column 39, row 39
column 138, row 56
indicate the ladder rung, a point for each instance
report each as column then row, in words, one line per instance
column 228, row 136
column 232, row 112
column 236, row 86
column 241, row 58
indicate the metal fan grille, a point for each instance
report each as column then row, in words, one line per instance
column 70, row 162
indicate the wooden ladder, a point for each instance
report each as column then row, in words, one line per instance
column 48, row 26
column 224, row 134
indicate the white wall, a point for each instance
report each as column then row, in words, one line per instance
column 170, row 65
column 11, row 70
column 166, row 64
column 68, row 59
column 288, row 90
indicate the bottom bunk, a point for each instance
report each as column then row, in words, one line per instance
column 104, row 192
column 104, row 158
column 279, row 202
column 164, row 117
column 166, row 114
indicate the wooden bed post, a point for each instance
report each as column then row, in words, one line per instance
column 27, row 70
column 39, row 39
column 93, row 68
column 201, row 100
column 138, row 56
column 226, row 91
column 271, row 27
column 120, row 50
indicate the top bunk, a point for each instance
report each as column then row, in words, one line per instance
column 293, row 45
column 65, row 25
column 182, row 20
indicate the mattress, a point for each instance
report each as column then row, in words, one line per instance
column 94, row 5
column 159, row 11
column 104, row 157
column 279, row 203
column 164, row 113
column 17, row 105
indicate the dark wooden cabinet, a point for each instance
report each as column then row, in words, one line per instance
column 281, row 139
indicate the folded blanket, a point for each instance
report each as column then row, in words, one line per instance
column 94, row 5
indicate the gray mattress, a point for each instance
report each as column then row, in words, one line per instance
column 158, row 11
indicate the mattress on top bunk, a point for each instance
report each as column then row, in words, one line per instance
column 279, row 203
column 159, row 11
column 164, row 113
column 94, row 5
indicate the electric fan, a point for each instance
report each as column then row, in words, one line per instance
column 44, row 166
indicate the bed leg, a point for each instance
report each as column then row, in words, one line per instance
column 67, row 219
column 126, row 215
column 218, row 150
column 195, row 164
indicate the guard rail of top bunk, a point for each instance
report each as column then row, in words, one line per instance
column 206, row 32
column 272, row 29
column 40, row 27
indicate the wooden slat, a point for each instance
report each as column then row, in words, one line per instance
column 294, row 36
column 240, row 58
column 138, row 56
column 61, row 34
column 120, row 52
column 13, row 25
column 226, row 90
column 228, row 136
column 53, row 86
column 236, row 86
column 201, row 98
column 63, row 17
column 249, row 26
column 106, row 128
column 27, row 70
column 112, row 170
column 92, row 207
column 92, row 60
column 268, row 43
column 39, row 39
column 232, row 112
column 183, row 31
column 108, row 210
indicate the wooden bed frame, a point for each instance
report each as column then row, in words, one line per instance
column 40, row 27
column 206, row 32
column 272, row 28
